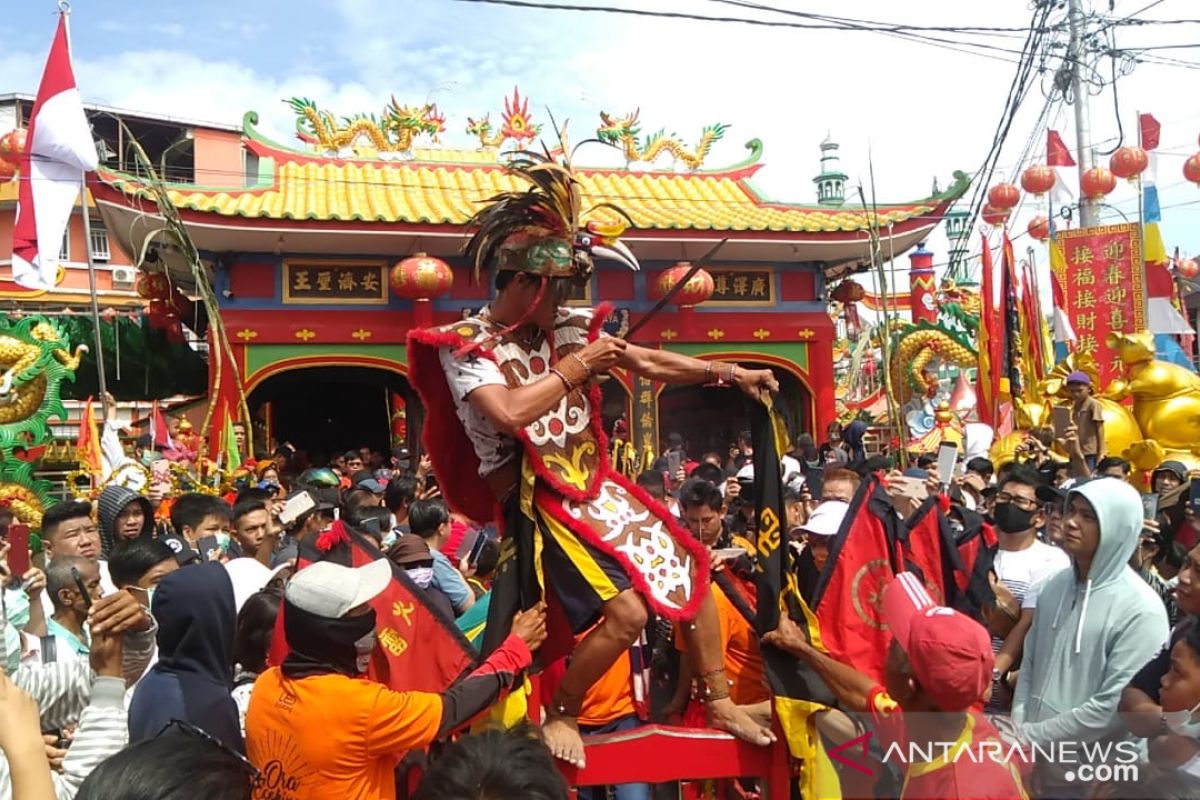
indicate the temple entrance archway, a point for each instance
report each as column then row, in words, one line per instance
column 325, row 410
column 709, row 418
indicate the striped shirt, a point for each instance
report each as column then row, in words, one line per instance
column 66, row 691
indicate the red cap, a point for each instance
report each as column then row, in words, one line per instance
column 950, row 653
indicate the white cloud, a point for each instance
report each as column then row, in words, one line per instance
column 918, row 110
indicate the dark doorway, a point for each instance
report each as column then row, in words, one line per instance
column 710, row 418
column 328, row 410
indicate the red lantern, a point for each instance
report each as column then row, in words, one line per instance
column 849, row 292
column 8, row 171
column 12, row 145
column 1004, row 196
column 1039, row 228
column 1129, row 162
column 994, row 216
column 698, row 288
column 153, row 286
column 421, row 277
column 1187, row 268
column 1191, row 168
column 1097, row 182
column 1038, row 179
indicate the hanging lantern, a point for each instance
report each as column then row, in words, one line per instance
column 1004, row 196
column 1038, row 179
column 153, row 286
column 849, row 292
column 1039, row 228
column 12, row 145
column 698, row 288
column 1129, row 162
column 8, row 171
column 1097, row 182
column 1191, row 169
column 992, row 215
column 421, row 277
column 1187, row 268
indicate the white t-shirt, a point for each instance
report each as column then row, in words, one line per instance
column 788, row 467
column 1024, row 572
column 464, row 375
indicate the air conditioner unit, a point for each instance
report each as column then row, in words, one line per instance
column 123, row 277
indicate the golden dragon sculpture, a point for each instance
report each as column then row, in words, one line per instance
column 625, row 133
column 516, row 124
column 393, row 132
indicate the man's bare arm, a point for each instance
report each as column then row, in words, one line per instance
column 510, row 410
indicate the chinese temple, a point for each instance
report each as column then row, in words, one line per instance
column 302, row 242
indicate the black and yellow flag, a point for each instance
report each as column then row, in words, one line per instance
column 797, row 690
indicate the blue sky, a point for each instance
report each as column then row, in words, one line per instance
column 920, row 111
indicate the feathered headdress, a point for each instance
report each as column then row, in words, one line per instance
column 538, row 230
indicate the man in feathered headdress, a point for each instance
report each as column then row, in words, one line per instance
column 513, row 430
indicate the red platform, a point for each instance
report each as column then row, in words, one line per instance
column 661, row 753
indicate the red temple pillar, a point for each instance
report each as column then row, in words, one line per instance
column 922, row 285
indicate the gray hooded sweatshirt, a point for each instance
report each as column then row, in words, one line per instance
column 1091, row 633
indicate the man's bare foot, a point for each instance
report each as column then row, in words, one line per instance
column 760, row 713
column 561, row 735
column 724, row 715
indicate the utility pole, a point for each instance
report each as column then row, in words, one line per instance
column 1089, row 215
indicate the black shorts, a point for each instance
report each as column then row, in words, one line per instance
column 582, row 576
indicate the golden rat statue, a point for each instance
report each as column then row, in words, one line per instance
column 1166, row 397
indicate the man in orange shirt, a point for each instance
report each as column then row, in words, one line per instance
column 316, row 729
column 608, row 707
column 700, row 502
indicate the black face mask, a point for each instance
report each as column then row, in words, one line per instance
column 320, row 645
column 1010, row 519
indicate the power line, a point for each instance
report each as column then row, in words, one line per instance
column 970, row 48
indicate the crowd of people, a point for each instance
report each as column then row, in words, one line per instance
column 138, row 650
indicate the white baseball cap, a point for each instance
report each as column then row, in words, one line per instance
column 248, row 576
column 826, row 519
column 330, row 590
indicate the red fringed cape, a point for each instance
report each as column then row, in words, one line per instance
column 457, row 467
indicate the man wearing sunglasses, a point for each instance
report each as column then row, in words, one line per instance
column 1022, row 564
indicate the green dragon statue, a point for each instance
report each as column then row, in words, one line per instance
column 35, row 358
column 625, row 133
column 391, row 133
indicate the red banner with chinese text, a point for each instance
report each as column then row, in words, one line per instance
column 1104, row 287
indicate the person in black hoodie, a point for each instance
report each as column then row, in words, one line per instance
column 123, row 514
column 197, row 619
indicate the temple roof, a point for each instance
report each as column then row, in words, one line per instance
column 443, row 187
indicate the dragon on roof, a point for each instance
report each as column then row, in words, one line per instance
column 390, row 134
column 516, row 124
column 625, row 133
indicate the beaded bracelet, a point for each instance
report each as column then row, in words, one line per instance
column 586, row 367
column 566, row 382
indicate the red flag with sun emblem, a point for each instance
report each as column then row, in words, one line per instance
column 847, row 597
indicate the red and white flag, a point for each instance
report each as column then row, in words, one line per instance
column 58, row 151
column 160, row 434
column 1059, row 159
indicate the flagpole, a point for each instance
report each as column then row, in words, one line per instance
column 1142, row 226
column 91, row 262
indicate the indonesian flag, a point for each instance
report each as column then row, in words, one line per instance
column 1058, row 158
column 59, row 149
column 160, row 434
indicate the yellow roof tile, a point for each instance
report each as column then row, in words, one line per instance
column 301, row 186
